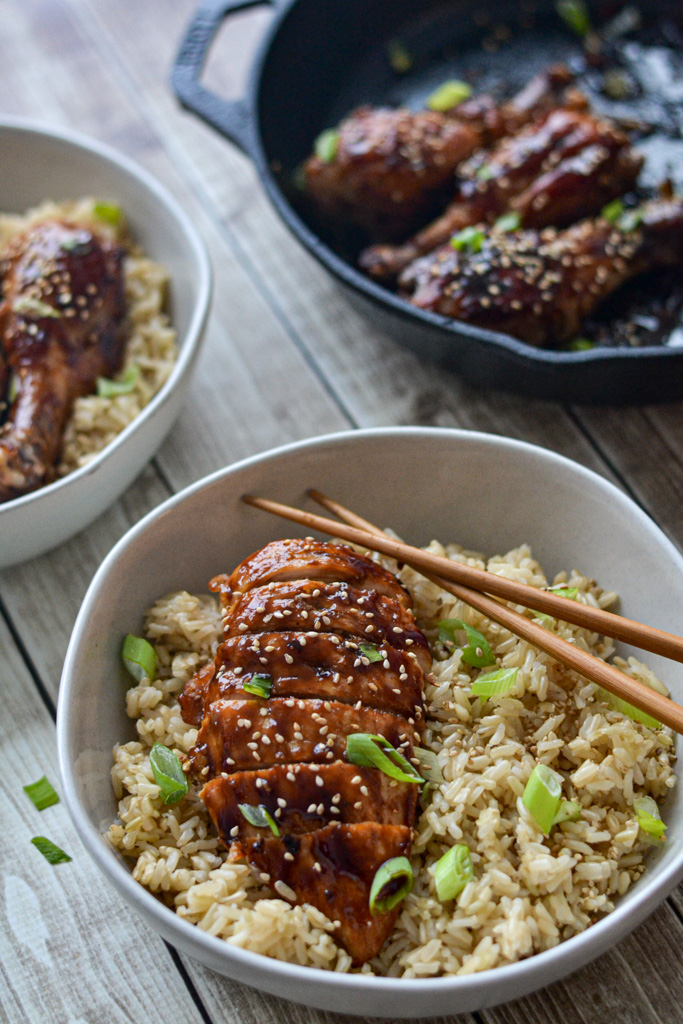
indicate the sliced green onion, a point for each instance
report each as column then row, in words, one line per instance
column 168, row 774
column 326, row 145
column 399, row 57
column 260, row 685
column 485, row 172
column 571, row 592
column 52, row 854
column 76, row 246
column 139, row 657
column 370, row 651
column 508, row 222
column 108, row 388
column 449, row 95
column 453, row 871
column 630, row 220
column 110, row 213
column 370, row 751
column 429, row 765
column 569, row 810
column 42, row 794
column 542, row 795
column 13, row 389
column 649, row 818
column 259, row 817
column 613, row 211
column 477, row 652
column 574, row 14
column 34, row 308
column 470, row 238
column 623, row 706
column 494, row 683
column 395, row 870
column 581, row 345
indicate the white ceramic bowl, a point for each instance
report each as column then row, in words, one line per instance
column 489, row 493
column 38, row 163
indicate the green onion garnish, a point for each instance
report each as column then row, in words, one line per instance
column 76, row 246
column 613, row 211
column 327, row 145
column 574, row 14
column 571, row 592
column 581, row 345
column 370, row 751
column 542, row 795
column 260, row 685
column 649, row 818
column 470, row 238
column 370, row 651
column 110, row 213
column 399, row 57
column 168, row 774
column 493, row 684
column 139, row 657
column 397, row 869
column 623, row 706
column 630, row 220
column 108, row 388
column 52, row 854
column 13, row 389
column 259, row 817
column 508, row 222
column 42, row 794
column 485, row 172
column 34, row 308
column 477, row 652
column 569, row 810
column 449, row 95
column 453, row 871
column 429, row 765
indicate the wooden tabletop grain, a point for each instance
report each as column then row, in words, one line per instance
column 70, row 951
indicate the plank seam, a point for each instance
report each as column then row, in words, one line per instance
column 180, row 966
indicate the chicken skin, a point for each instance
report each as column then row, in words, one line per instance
column 390, row 167
column 61, row 326
column 554, row 172
column 320, row 646
column 540, row 287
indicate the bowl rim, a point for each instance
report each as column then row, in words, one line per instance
column 187, row 349
column 586, row 945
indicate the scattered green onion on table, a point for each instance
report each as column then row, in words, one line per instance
column 41, row 793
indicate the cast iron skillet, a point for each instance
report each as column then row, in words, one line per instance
column 318, row 60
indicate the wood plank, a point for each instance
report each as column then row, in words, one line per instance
column 70, row 949
column 42, row 597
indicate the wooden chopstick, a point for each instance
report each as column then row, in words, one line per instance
column 366, row 534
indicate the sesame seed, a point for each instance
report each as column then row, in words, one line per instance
column 317, row 867
column 319, row 781
column 235, row 830
column 289, row 659
column 288, row 856
column 320, row 809
column 281, row 802
column 242, row 627
column 264, row 876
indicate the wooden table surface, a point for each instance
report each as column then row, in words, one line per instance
column 71, row 952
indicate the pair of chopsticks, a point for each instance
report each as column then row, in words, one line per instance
column 474, row 587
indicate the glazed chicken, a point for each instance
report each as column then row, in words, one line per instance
column 564, row 167
column 391, row 167
column 540, row 286
column 61, row 326
column 319, row 643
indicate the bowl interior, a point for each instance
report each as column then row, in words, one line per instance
column 488, row 493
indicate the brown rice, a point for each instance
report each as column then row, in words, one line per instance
column 529, row 891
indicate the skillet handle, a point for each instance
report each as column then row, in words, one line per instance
column 233, row 118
